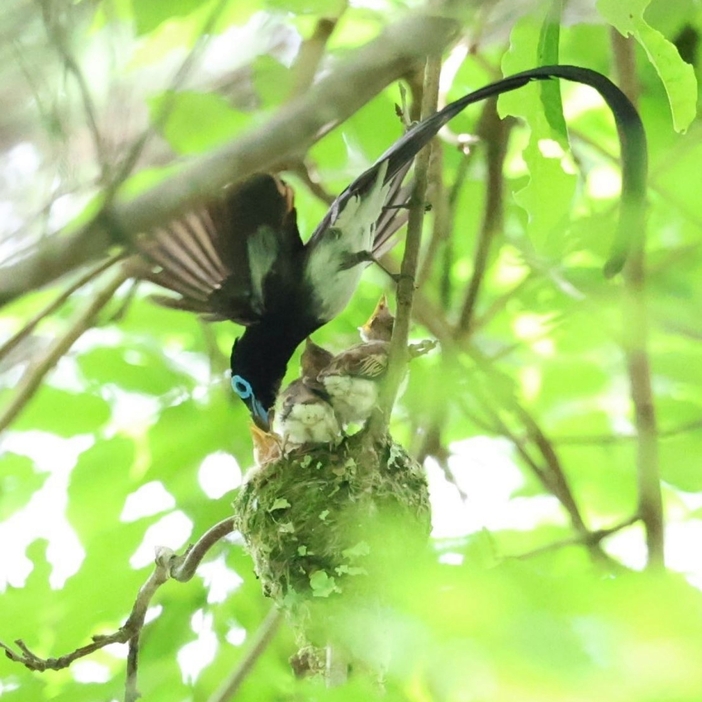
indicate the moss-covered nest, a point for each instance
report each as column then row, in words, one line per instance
column 324, row 524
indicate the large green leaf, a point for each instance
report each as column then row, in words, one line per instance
column 678, row 77
column 547, row 198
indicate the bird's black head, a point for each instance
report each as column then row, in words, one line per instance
column 259, row 360
column 256, row 387
column 247, row 394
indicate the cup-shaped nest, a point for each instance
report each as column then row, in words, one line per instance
column 329, row 525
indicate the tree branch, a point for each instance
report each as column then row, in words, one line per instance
column 591, row 538
column 312, row 51
column 33, row 376
column 260, row 643
column 182, row 568
column 167, row 566
column 57, row 36
column 398, row 356
column 494, row 132
column 635, row 333
column 290, row 132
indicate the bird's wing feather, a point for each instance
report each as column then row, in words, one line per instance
column 368, row 360
column 217, row 258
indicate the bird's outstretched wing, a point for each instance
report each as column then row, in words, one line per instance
column 217, row 258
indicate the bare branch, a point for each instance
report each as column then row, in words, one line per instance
column 311, row 52
column 591, row 538
column 605, row 439
column 131, row 627
column 55, row 304
column 33, row 376
column 260, row 643
column 494, row 132
column 167, row 566
column 166, row 107
column 398, row 355
column 635, row 332
column 182, row 568
column 57, row 36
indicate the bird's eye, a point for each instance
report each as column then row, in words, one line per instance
column 241, row 387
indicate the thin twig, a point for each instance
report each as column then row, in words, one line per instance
column 500, row 302
column 552, row 476
column 260, row 643
column 167, row 566
column 606, row 439
column 33, row 376
column 166, row 107
column 307, row 173
column 311, row 52
column 494, row 133
column 635, row 322
column 182, row 568
column 126, row 632
column 397, row 360
column 591, row 538
column 437, row 197
column 57, row 36
column 55, row 304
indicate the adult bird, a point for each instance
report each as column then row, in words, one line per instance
column 241, row 256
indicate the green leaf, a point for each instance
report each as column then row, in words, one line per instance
column 360, row 549
column 141, row 370
column 197, row 121
column 322, row 584
column 548, row 196
column 681, row 461
column 64, row 413
column 272, row 80
column 280, row 503
column 678, row 77
column 149, row 15
column 19, row 480
column 548, row 55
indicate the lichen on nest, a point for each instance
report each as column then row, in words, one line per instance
column 325, row 524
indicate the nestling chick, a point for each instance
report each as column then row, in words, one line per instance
column 352, row 378
column 303, row 413
column 379, row 325
column 313, row 361
column 304, row 416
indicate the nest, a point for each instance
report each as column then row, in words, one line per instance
column 327, row 526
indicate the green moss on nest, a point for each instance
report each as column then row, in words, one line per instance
column 327, row 524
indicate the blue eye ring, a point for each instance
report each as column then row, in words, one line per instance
column 242, row 387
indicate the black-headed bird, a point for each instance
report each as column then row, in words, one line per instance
column 241, row 256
